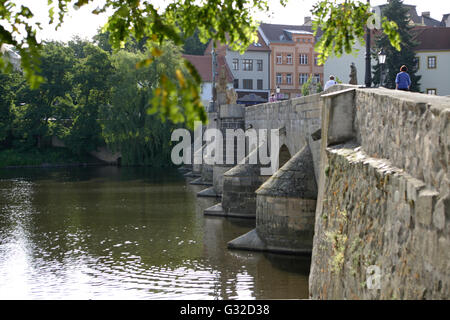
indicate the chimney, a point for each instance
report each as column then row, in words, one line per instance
column 307, row 19
column 426, row 14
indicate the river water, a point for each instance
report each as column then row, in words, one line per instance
column 128, row 233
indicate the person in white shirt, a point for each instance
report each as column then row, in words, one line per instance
column 330, row 83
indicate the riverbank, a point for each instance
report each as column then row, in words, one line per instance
column 46, row 157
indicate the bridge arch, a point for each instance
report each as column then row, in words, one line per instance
column 283, row 155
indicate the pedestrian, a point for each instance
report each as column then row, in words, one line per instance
column 403, row 81
column 272, row 98
column 330, row 83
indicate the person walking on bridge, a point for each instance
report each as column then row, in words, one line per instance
column 403, row 81
column 330, row 83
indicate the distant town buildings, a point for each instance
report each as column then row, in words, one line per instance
column 293, row 59
column 446, row 20
column 250, row 71
column 415, row 19
column 280, row 62
column 203, row 64
column 433, row 53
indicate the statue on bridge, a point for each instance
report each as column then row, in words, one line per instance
column 225, row 95
column 353, row 74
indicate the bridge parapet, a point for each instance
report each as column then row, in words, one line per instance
column 383, row 197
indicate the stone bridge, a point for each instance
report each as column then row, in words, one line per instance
column 363, row 186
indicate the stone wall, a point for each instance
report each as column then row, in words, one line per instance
column 300, row 117
column 382, row 226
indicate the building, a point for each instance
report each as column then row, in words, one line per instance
column 415, row 20
column 8, row 52
column 203, row 64
column 250, row 70
column 433, row 54
column 446, row 20
column 293, row 59
column 434, row 47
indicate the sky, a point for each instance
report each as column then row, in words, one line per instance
column 84, row 24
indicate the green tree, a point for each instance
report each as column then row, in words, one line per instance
column 343, row 24
column 91, row 89
column 193, row 45
column 226, row 21
column 9, row 84
column 38, row 110
column 142, row 138
column 397, row 12
column 101, row 39
column 311, row 87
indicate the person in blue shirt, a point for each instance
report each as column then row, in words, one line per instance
column 403, row 81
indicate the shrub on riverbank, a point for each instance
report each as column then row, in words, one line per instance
column 45, row 156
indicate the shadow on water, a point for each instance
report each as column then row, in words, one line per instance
column 109, row 173
column 140, row 233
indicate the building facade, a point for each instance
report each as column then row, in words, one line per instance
column 446, row 20
column 250, row 71
column 203, row 64
column 293, row 59
column 433, row 55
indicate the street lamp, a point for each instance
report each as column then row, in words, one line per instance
column 212, row 104
column 382, row 61
column 368, row 79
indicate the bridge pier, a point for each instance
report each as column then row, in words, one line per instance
column 369, row 189
column 285, row 209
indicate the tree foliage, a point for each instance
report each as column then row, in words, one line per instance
column 343, row 24
column 127, row 125
column 38, row 110
column 91, row 98
column 226, row 21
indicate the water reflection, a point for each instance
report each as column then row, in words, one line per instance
column 127, row 233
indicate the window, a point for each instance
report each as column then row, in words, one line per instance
column 247, row 65
column 236, row 83
column 259, row 84
column 259, row 64
column 418, row 63
column 303, row 78
column 289, row 59
column 248, row 83
column 303, row 58
column 279, row 78
column 279, row 59
column 289, row 78
column 431, row 62
column 317, row 78
column 432, row 91
column 235, row 64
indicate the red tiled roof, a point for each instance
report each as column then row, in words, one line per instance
column 280, row 32
column 433, row 39
column 203, row 64
column 258, row 46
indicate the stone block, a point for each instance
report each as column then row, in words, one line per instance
column 442, row 207
column 413, row 186
column 425, row 206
